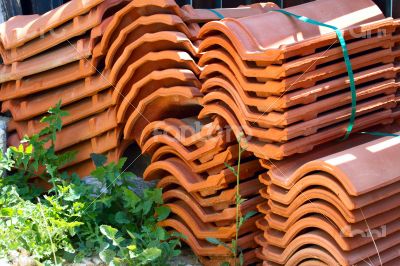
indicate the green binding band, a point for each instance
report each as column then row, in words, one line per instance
column 346, row 59
column 380, row 134
column 219, row 15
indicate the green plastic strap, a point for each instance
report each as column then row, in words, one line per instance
column 380, row 134
column 219, row 15
column 346, row 59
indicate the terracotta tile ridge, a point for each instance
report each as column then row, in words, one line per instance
column 147, row 43
column 126, row 36
column 185, row 95
column 126, row 67
column 179, row 76
column 146, row 7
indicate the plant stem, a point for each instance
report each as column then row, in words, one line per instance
column 238, row 199
column 48, row 232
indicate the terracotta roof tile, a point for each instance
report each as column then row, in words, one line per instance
column 46, row 61
column 22, row 109
column 46, row 80
column 21, row 29
column 75, row 27
column 163, row 103
column 145, row 86
column 193, row 182
column 227, row 54
column 247, row 34
column 149, row 44
column 221, row 201
column 207, row 214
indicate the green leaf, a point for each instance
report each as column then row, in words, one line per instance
column 130, row 198
column 121, row 218
column 29, row 149
column 7, row 212
column 231, row 169
column 108, row 231
column 162, row 212
column 214, row 241
column 225, row 263
column 132, row 247
column 98, row 159
column 150, row 254
column 107, row 255
column 249, row 215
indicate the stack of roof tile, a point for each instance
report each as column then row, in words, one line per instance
column 151, row 52
column 335, row 206
column 189, row 157
column 52, row 58
column 288, row 89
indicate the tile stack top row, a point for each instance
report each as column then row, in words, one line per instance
column 288, row 90
column 273, row 36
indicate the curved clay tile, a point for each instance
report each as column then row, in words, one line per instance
column 229, row 156
column 78, row 25
column 181, row 131
column 152, row 42
column 205, row 230
column 69, row 53
column 148, row 84
column 249, row 38
column 21, row 29
column 334, row 162
column 150, row 62
column 99, row 144
column 202, row 247
column 163, row 103
column 133, row 11
column 303, row 96
column 223, row 200
column 193, row 15
column 129, row 37
column 196, row 183
column 324, row 241
column 331, row 183
column 213, row 146
column 206, row 214
column 301, row 145
column 85, row 168
column 22, row 109
column 224, row 51
column 267, row 87
column 283, row 239
column 46, row 80
column 310, row 114
column 199, row 247
column 353, row 216
column 319, row 257
column 329, row 211
column 81, row 130
column 77, row 111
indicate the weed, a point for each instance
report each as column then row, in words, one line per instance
column 237, row 252
column 74, row 219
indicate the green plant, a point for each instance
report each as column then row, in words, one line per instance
column 75, row 219
column 236, row 251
